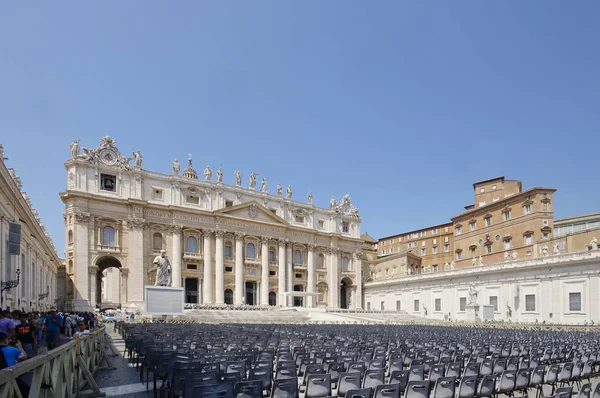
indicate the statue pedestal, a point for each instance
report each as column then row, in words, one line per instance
column 163, row 300
column 472, row 313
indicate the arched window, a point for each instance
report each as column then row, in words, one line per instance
column 321, row 260
column 228, row 249
column 108, row 236
column 228, row 296
column 346, row 264
column 272, row 256
column 157, row 241
column 297, row 257
column 272, row 299
column 191, row 245
column 250, row 250
column 70, row 236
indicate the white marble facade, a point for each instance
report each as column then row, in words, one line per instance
column 238, row 245
column 563, row 288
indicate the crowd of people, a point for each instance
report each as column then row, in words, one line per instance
column 25, row 334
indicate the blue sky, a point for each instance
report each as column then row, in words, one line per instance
column 400, row 104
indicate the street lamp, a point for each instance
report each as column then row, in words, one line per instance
column 9, row 285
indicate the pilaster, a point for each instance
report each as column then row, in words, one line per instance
column 219, row 268
column 239, row 268
column 208, row 273
column 281, row 272
column 264, row 280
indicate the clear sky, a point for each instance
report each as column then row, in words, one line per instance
column 400, row 104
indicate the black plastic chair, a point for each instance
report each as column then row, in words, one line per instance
column 417, row 389
column 444, row 387
column 285, row 388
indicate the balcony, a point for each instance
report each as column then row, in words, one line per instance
column 108, row 249
column 254, row 261
column 192, row 256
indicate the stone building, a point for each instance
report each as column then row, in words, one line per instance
column 27, row 253
column 227, row 244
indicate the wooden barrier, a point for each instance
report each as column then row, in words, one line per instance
column 62, row 372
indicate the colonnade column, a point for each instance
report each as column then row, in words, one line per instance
column 239, row 268
column 311, row 275
column 207, row 266
column 219, row 268
column 358, row 269
column 289, row 271
column 137, row 278
column 281, row 271
column 81, row 260
column 264, row 275
column 124, row 277
column 176, row 256
column 93, row 274
column 334, row 284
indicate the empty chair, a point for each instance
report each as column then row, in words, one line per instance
column 417, row 389
column 212, row 391
column 472, row 369
column 357, row 367
column 288, row 372
column 262, row 375
column 231, row 377
column 349, row 381
column 248, row 389
column 563, row 392
column 373, row 378
column 416, row 373
column 523, row 379
column 360, row 393
column 400, row 377
column 389, row 391
column 487, row 386
column 467, row 387
column 453, row 369
column 537, row 379
column 396, row 364
column 318, row 385
column 444, row 387
column 285, row 388
column 436, row 371
column 585, row 391
column 551, row 376
column 487, row 367
column 507, row 382
column 565, row 373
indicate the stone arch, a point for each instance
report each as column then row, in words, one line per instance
column 346, row 287
column 272, row 298
column 109, row 280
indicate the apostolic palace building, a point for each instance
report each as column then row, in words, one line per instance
column 227, row 244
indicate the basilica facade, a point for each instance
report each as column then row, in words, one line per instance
column 226, row 244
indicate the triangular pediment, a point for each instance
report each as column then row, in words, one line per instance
column 252, row 211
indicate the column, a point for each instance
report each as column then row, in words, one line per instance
column 219, row 268
column 281, row 271
column 176, row 256
column 311, row 286
column 137, row 276
column 92, row 274
column 239, row 269
column 124, row 277
column 80, row 260
column 184, row 292
column 357, row 262
column 264, row 276
column 332, row 273
column 208, row 286
column 289, row 272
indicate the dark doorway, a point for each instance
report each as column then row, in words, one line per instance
column 191, row 290
column 228, row 296
column 250, row 293
column 344, row 290
column 272, row 299
column 298, row 301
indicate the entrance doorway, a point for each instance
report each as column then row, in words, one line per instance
column 228, row 296
column 345, row 290
column 272, row 299
column 108, row 283
column 191, row 290
column 298, row 301
column 251, row 293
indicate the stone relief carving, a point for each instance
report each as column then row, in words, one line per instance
column 108, row 154
column 345, row 208
column 253, row 211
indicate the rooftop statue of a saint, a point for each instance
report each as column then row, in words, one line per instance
column 594, row 243
column 279, row 190
column 207, row 173
column 176, row 167
column 252, row 180
column 74, row 149
column 288, row 191
column 238, row 179
column 138, row 158
column 332, row 203
column 263, row 185
column 310, row 198
column 219, row 175
column 556, row 249
column 163, row 270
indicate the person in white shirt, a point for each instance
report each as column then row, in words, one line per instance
column 82, row 329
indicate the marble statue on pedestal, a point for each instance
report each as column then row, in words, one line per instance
column 446, row 266
column 74, row 149
column 452, row 265
column 288, row 194
column 279, row 190
column 238, row 179
column 474, row 261
column 332, row 203
column 555, row 249
column 545, row 251
column 473, row 293
column 163, row 270
column 219, row 175
column 514, row 255
column 252, row 180
column 207, row 173
column 137, row 162
column 263, row 185
column 310, row 198
column 480, row 261
column 176, row 167
column 506, row 256
column 594, row 243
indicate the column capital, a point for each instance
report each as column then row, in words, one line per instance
column 136, row 223
column 82, row 218
column 208, row 232
column 174, row 229
column 125, row 272
column 219, row 233
column 283, row 242
column 265, row 240
column 239, row 236
column 92, row 270
column 357, row 255
column 311, row 247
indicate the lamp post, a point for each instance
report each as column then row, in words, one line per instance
column 9, row 285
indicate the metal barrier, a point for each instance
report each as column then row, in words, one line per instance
column 62, row 372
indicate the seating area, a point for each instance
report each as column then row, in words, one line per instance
column 361, row 361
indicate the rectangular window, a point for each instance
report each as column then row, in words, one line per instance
column 446, row 239
column 528, row 239
column 472, row 226
column 391, row 250
column 157, row 194
column 298, row 276
column 423, row 252
column 434, row 231
column 228, row 269
column 192, row 199
column 463, row 304
column 488, row 249
column 345, row 227
column 434, row 250
column 321, row 224
column 398, row 305
column 108, row 182
column 416, row 305
column 494, row 302
column 561, row 245
column 506, row 215
column 472, row 250
column 488, row 221
column 459, row 255
column 545, row 235
column 527, row 209
column 545, row 206
column 391, row 241
column 272, row 273
column 530, row 302
column 507, row 245
column 446, row 229
column 192, row 266
column 300, row 219
column 229, row 203
column 228, row 251
column 458, row 230
column 438, row 304
column 382, row 306
column 575, row 301
column 435, row 268
column 446, row 248
column 382, row 244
